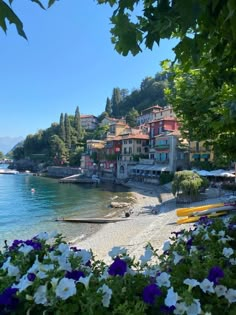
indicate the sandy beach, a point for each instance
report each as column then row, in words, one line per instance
column 153, row 218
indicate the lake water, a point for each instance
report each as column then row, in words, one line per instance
column 24, row 213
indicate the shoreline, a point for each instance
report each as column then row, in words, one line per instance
column 143, row 226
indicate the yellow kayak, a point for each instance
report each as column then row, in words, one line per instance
column 182, row 212
column 196, row 218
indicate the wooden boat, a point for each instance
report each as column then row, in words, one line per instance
column 92, row 220
column 182, row 212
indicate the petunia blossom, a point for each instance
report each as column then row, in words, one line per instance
column 116, row 251
column 231, row 295
column 171, row 298
column 150, row 292
column 65, row 288
column 162, row 280
column 207, row 286
column 107, row 293
column 40, row 295
column 215, row 273
column 147, row 255
column 118, row 267
column 227, row 252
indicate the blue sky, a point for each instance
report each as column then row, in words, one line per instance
column 68, row 61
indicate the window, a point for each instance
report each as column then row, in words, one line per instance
column 125, row 150
column 130, row 150
column 138, row 141
column 130, row 141
column 125, row 141
column 139, row 150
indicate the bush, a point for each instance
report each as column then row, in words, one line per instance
column 195, row 274
column 189, row 184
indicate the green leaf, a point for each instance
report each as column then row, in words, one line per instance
column 39, row 3
column 51, row 2
column 7, row 13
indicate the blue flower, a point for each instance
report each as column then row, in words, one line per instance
column 205, row 221
column 150, row 292
column 215, row 274
column 75, row 274
column 118, row 267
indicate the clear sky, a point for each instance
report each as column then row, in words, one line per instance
column 68, row 61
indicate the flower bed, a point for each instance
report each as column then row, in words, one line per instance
column 196, row 274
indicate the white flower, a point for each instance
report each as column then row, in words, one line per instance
column 104, row 275
column 64, row 248
column 40, row 296
column 116, row 251
column 64, row 263
column 53, row 234
column 227, row 252
column 194, row 308
column 25, row 249
column 13, row 271
column 107, row 293
column 54, row 282
column 43, row 236
column 85, row 280
column 6, row 264
column 163, row 280
column 147, row 255
column 84, row 254
column 180, row 308
column 221, row 233
column 35, row 267
column 207, row 286
column 166, row 246
column 193, row 249
column 232, row 261
column 220, row 290
column 177, row 258
column 41, row 274
column 191, row 282
column 65, row 288
column 231, row 295
column 171, row 298
column 23, row 284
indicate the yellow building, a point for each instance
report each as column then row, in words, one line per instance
column 199, row 151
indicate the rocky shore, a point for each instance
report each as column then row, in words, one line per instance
column 152, row 219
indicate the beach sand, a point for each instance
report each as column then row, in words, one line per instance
column 143, row 225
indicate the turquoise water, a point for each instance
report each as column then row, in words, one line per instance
column 24, row 213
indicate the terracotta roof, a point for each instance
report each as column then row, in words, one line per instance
column 161, row 119
column 135, row 136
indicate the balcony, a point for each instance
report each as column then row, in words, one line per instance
column 160, row 147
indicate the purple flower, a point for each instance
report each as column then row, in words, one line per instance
column 15, row 244
column 31, row 276
column 75, row 274
column 8, row 298
column 150, row 292
column 205, row 221
column 118, row 267
column 178, row 233
column 34, row 244
column 215, row 274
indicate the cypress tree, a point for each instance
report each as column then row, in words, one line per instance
column 77, row 124
column 62, row 133
column 115, row 101
column 108, row 108
column 67, row 131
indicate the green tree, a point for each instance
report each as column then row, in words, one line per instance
column 7, row 13
column 205, row 29
column 108, row 108
column 115, row 101
column 62, row 132
column 68, row 131
column 189, row 184
column 204, row 109
column 131, row 117
column 58, row 150
column 1, row 155
column 77, row 124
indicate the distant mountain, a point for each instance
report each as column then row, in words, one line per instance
column 7, row 143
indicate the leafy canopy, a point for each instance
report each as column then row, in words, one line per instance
column 206, row 29
column 7, row 14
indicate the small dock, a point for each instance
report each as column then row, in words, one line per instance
column 7, row 171
column 92, row 220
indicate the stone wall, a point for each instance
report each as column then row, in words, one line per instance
column 58, row 171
